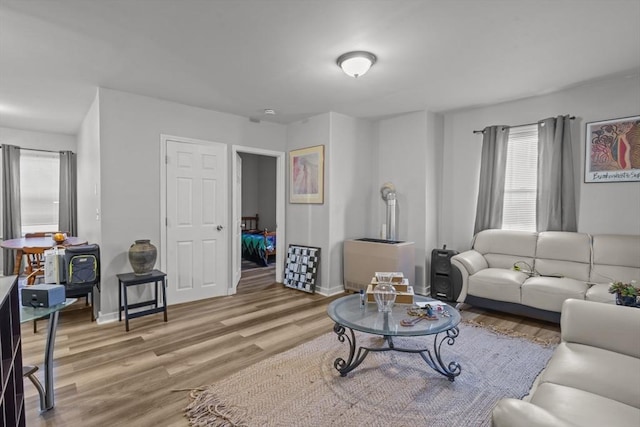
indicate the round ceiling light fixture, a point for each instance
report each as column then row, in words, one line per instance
column 357, row 63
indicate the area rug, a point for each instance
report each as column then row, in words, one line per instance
column 302, row 388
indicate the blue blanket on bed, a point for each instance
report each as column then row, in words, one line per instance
column 255, row 247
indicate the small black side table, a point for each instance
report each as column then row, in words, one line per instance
column 130, row 279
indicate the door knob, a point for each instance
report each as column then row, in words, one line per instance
column 219, row 227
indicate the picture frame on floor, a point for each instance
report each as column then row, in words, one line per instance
column 301, row 268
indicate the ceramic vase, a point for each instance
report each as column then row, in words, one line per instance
column 142, row 256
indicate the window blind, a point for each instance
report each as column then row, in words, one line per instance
column 39, row 190
column 519, row 210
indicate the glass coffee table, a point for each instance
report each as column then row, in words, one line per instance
column 350, row 316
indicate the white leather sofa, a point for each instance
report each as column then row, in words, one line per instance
column 569, row 265
column 593, row 376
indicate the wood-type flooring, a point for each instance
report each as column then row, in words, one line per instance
column 105, row 376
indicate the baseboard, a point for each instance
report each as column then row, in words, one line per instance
column 104, row 318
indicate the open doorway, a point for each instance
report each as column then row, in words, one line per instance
column 258, row 217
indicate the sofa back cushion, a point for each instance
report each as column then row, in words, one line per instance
column 503, row 248
column 615, row 258
column 564, row 253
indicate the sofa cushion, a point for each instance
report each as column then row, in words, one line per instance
column 615, row 258
column 503, row 248
column 497, row 284
column 564, row 254
column 582, row 408
column 548, row 293
column 606, row 373
column 600, row 293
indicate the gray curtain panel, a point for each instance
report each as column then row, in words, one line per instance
column 492, row 177
column 68, row 206
column 555, row 200
column 11, row 224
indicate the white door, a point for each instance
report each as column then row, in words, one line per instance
column 196, row 229
column 237, row 220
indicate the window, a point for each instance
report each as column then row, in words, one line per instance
column 39, row 190
column 519, row 210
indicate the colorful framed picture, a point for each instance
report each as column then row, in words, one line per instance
column 306, row 175
column 612, row 150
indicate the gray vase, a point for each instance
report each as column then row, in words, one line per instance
column 142, row 256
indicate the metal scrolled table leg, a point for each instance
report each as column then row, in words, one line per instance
column 346, row 366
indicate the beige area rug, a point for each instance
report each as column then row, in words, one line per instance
column 301, row 387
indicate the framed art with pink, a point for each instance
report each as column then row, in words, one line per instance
column 612, row 150
column 306, row 175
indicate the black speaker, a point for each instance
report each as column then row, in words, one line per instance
column 443, row 278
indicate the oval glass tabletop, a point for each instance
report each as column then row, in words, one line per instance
column 347, row 312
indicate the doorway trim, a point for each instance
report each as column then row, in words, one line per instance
column 280, row 204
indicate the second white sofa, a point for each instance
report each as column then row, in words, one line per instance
column 567, row 265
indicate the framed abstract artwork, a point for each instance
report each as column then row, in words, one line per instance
column 612, row 150
column 306, row 175
column 301, row 268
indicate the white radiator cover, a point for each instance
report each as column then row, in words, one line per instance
column 363, row 258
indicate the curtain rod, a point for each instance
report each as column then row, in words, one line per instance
column 40, row 150
column 526, row 124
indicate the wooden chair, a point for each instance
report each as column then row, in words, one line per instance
column 35, row 264
column 34, row 269
column 39, row 234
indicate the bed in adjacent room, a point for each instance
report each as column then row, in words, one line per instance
column 257, row 244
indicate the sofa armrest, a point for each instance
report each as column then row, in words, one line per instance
column 472, row 261
column 518, row 413
column 607, row 326
column 468, row 262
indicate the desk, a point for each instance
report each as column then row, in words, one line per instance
column 125, row 280
column 36, row 242
column 28, row 314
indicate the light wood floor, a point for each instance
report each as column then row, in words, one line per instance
column 105, row 376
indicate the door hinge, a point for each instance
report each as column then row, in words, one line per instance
column 166, row 160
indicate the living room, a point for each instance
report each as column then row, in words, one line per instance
column 431, row 154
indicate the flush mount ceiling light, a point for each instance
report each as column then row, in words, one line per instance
column 356, row 64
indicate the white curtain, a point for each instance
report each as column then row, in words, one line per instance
column 555, row 200
column 11, row 225
column 492, row 177
column 68, row 206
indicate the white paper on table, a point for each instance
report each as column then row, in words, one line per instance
column 422, row 304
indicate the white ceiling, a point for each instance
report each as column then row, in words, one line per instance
column 244, row 56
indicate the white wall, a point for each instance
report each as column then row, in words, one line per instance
column 38, row 140
column 308, row 224
column 250, row 190
column 130, row 129
column 348, row 176
column 351, row 189
column 602, row 207
column 409, row 157
column 259, row 188
column 88, row 164
column 267, row 185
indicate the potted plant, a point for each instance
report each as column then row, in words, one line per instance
column 626, row 293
